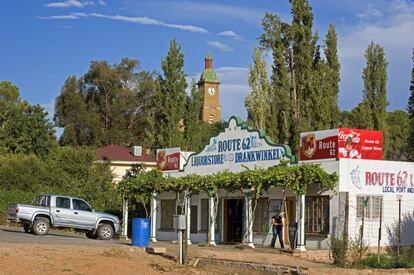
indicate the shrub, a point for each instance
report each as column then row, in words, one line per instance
column 339, row 250
column 358, row 249
column 386, row 262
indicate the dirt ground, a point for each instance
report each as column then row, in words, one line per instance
column 83, row 259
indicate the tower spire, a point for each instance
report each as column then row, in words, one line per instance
column 208, row 61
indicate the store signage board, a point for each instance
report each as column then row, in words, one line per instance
column 376, row 177
column 341, row 143
column 168, row 159
column 237, row 148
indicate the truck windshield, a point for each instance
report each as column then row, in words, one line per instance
column 42, row 200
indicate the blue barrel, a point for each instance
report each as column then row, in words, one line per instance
column 141, row 232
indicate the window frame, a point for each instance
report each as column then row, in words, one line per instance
column 66, row 198
column 172, row 210
column 370, row 212
column 73, row 205
column 319, row 214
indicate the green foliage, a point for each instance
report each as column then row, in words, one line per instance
column 296, row 178
column 358, row 249
column 170, row 99
column 24, row 128
column 65, row 171
column 398, row 129
column 339, row 250
column 109, row 104
column 257, row 101
column 375, row 87
column 410, row 109
column 387, row 261
column 304, row 85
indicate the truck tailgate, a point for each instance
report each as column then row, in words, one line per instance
column 11, row 211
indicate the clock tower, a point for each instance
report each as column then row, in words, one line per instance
column 209, row 84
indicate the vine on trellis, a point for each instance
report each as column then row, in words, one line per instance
column 141, row 184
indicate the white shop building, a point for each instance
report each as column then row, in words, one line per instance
column 364, row 185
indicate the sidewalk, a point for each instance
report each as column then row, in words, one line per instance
column 259, row 255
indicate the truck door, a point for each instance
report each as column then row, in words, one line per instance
column 61, row 212
column 83, row 215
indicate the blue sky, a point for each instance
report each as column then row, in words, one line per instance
column 45, row 41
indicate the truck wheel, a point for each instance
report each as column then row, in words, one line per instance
column 27, row 228
column 41, row 226
column 90, row 235
column 105, row 231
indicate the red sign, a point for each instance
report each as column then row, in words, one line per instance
column 168, row 159
column 341, row 143
column 359, row 144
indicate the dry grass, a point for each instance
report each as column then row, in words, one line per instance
column 117, row 253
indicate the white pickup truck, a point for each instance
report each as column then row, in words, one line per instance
column 62, row 211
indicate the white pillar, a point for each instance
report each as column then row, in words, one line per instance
column 301, row 241
column 212, row 231
column 188, row 216
column 153, row 236
column 124, row 234
column 248, row 225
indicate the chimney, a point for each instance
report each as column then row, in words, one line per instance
column 136, row 151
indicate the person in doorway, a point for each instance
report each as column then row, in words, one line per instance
column 277, row 229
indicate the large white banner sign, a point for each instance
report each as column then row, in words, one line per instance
column 237, row 148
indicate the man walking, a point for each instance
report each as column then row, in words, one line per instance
column 277, row 229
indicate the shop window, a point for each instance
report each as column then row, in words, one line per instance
column 205, row 212
column 317, row 214
column 371, row 205
column 261, row 219
column 167, row 212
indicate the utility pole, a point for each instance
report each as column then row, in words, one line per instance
column 399, row 225
column 379, row 232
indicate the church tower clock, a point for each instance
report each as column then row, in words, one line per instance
column 209, row 84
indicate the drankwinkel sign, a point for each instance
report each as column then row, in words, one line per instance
column 237, row 148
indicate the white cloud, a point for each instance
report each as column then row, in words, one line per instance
column 231, row 34
column 69, row 3
column 102, row 3
column 136, row 20
column 60, row 17
column 220, row 46
column 219, row 11
column 369, row 13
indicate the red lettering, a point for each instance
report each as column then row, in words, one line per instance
column 368, row 178
column 392, row 179
column 374, row 178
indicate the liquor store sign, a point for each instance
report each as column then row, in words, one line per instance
column 394, row 177
column 237, row 148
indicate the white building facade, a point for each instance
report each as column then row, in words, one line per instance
column 367, row 191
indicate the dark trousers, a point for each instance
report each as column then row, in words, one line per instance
column 277, row 233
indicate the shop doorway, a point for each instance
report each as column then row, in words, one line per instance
column 233, row 220
column 290, row 216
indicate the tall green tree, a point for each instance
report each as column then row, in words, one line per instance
column 109, row 104
column 24, row 128
column 410, row 109
column 375, row 91
column 333, row 78
column 170, row 99
column 274, row 39
column 375, row 87
column 304, row 85
column 257, row 101
column 192, row 121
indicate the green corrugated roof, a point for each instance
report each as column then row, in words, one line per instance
column 209, row 75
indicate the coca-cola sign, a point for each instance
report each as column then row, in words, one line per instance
column 341, row 143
